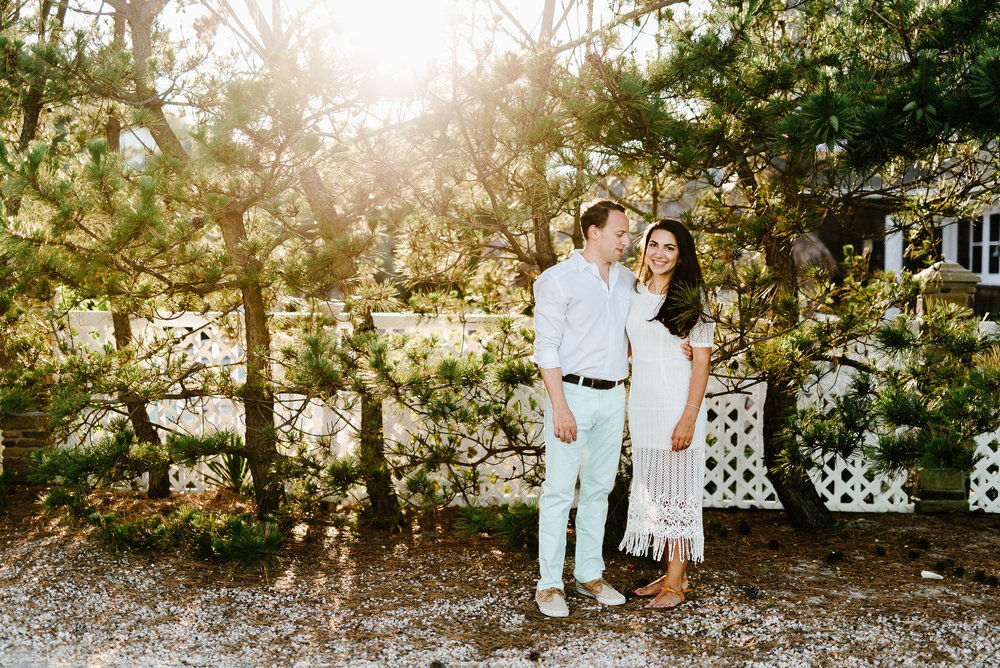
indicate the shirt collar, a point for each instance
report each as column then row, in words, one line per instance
column 581, row 264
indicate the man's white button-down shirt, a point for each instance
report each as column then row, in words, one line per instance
column 580, row 319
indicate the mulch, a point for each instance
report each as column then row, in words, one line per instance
column 866, row 562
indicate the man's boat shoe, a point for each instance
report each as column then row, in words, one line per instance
column 601, row 590
column 552, row 602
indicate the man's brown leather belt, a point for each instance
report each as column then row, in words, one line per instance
column 593, row 383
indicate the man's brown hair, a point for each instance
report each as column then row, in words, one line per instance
column 596, row 214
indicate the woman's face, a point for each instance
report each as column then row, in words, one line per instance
column 662, row 253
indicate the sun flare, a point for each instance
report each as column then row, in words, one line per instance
column 395, row 36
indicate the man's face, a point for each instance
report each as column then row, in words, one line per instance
column 612, row 239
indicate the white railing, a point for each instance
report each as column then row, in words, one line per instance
column 735, row 475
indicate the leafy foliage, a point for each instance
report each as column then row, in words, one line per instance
column 516, row 526
column 253, row 547
column 932, row 391
column 242, row 542
column 114, row 460
column 231, row 472
column 785, row 123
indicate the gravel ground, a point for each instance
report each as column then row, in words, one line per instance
column 435, row 600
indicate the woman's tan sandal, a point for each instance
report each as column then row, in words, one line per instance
column 638, row 592
column 666, row 589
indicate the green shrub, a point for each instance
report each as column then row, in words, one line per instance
column 516, row 526
column 231, row 471
column 253, row 547
column 118, row 537
column 73, row 502
column 474, row 520
column 240, row 541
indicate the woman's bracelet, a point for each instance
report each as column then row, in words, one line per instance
column 697, row 408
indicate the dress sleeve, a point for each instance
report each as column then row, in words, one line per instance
column 703, row 333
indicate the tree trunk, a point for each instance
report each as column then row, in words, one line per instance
column 385, row 510
column 138, row 408
column 798, row 495
column 258, row 399
column 138, row 414
column 545, row 252
column 577, row 227
column 654, row 211
column 795, row 490
column 378, row 481
column 140, row 17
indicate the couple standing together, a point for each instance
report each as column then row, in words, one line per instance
column 590, row 315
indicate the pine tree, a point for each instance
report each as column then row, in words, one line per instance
column 785, row 118
column 240, row 207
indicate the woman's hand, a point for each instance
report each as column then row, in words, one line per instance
column 684, row 431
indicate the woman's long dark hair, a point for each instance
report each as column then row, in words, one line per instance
column 682, row 304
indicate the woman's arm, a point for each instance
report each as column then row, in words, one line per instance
column 684, row 431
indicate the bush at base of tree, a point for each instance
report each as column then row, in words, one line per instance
column 515, row 525
column 240, row 541
column 920, row 405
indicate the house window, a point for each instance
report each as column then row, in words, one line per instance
column 981, row 237
column 965, row 243
column 977, row 247
column 994, row 246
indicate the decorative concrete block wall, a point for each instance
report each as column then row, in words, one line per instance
column 21, row 437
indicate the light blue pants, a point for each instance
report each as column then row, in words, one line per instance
column 593, row 457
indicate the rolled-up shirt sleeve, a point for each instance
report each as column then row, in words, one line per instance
column 550, row 322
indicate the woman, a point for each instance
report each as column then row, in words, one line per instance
column 665, row 418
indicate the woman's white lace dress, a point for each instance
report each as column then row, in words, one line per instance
column 665, row 499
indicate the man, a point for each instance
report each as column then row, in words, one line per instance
column 582, row 353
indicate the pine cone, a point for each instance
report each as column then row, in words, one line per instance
column 753, row 592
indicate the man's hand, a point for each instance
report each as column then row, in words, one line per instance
column 562, row 417
column 564, row 423
column 686, row 349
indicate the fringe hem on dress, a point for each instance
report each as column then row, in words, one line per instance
column 638, row 543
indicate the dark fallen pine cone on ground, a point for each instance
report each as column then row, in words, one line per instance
column 753, row 592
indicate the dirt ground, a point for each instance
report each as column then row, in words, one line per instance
column 867, row 564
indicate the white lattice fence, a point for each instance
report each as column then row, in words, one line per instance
column 498, row 483
column 735, row 476
column 734, row 473
column 203, row 340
